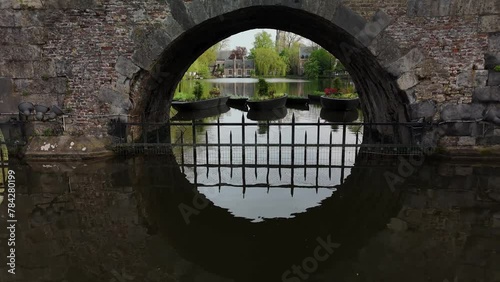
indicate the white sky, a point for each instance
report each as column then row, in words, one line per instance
column 246, row 38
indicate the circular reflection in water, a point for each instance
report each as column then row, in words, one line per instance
column 258, row 202
column 268, row 182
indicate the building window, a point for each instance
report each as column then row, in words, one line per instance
column 239, row 72
column 230, row 72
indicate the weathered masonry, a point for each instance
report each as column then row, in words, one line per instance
column 410, row 59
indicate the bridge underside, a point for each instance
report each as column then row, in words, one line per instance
column 381, row 98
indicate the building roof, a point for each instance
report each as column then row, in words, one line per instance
column 305, row 52
column 249, row 64
column 223, row 55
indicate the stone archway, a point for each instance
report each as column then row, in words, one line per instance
column 372, row 58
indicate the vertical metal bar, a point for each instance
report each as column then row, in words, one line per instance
column 219, row 153
column 292, row 142
column 317, row 142
column 268, row 139
column 317, row 154
column 330, row 156
column 218, row 142
column 206, row 152
column 279, row 162
column 231, row 151
column 182, row 150
column 268, row 160
column 157, row 136
column 305, row 155
column 195, row 154
column 243, row 157
column 344, row 133
column 255, row 154
column 267, row 179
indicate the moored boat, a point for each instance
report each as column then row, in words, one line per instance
column 339, row 104
column 268, row 104
column 199, row 105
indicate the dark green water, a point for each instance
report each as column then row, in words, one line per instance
column 142, row 219
column 247, row 86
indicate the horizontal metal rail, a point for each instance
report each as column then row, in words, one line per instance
column 274, row 123
column 286, row 145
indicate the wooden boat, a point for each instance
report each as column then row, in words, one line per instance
column 201, row 114
column 265, row 115
column 298, row 103
column 199, row 105
column 314, row 99
column 339, row 104
column 239, row 103
column 267, row 104
column 339, row 116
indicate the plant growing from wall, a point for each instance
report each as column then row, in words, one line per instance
column 497, row 68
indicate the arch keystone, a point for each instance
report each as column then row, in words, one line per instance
column 407, row 81
column 406, row 63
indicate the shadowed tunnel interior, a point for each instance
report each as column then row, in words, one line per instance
column 381, row 99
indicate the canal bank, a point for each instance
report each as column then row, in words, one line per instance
column 89, row 148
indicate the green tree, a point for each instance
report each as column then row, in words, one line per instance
column 268, row 62
column 292, row 58
column 312, row 68
column 263, row 40
column 202, row 63
column 324, row 58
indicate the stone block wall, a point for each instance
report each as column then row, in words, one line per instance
column 82, row 55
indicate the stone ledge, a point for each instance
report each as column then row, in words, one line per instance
column 486, row 95
column 67, row 148
column 462, row 112
column 494, row 78
column 478, row 153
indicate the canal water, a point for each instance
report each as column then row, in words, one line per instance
column 247, row 87
column 313, row 172
column 142, row 219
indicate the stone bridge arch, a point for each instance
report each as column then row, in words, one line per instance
column 410, row 59
column 379, row 68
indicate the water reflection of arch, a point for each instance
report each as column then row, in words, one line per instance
column 226, row 245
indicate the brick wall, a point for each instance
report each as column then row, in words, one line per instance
column 67, row 53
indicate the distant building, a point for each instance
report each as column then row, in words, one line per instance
column 238, row 68
column 304, row 54
column 232, row 67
